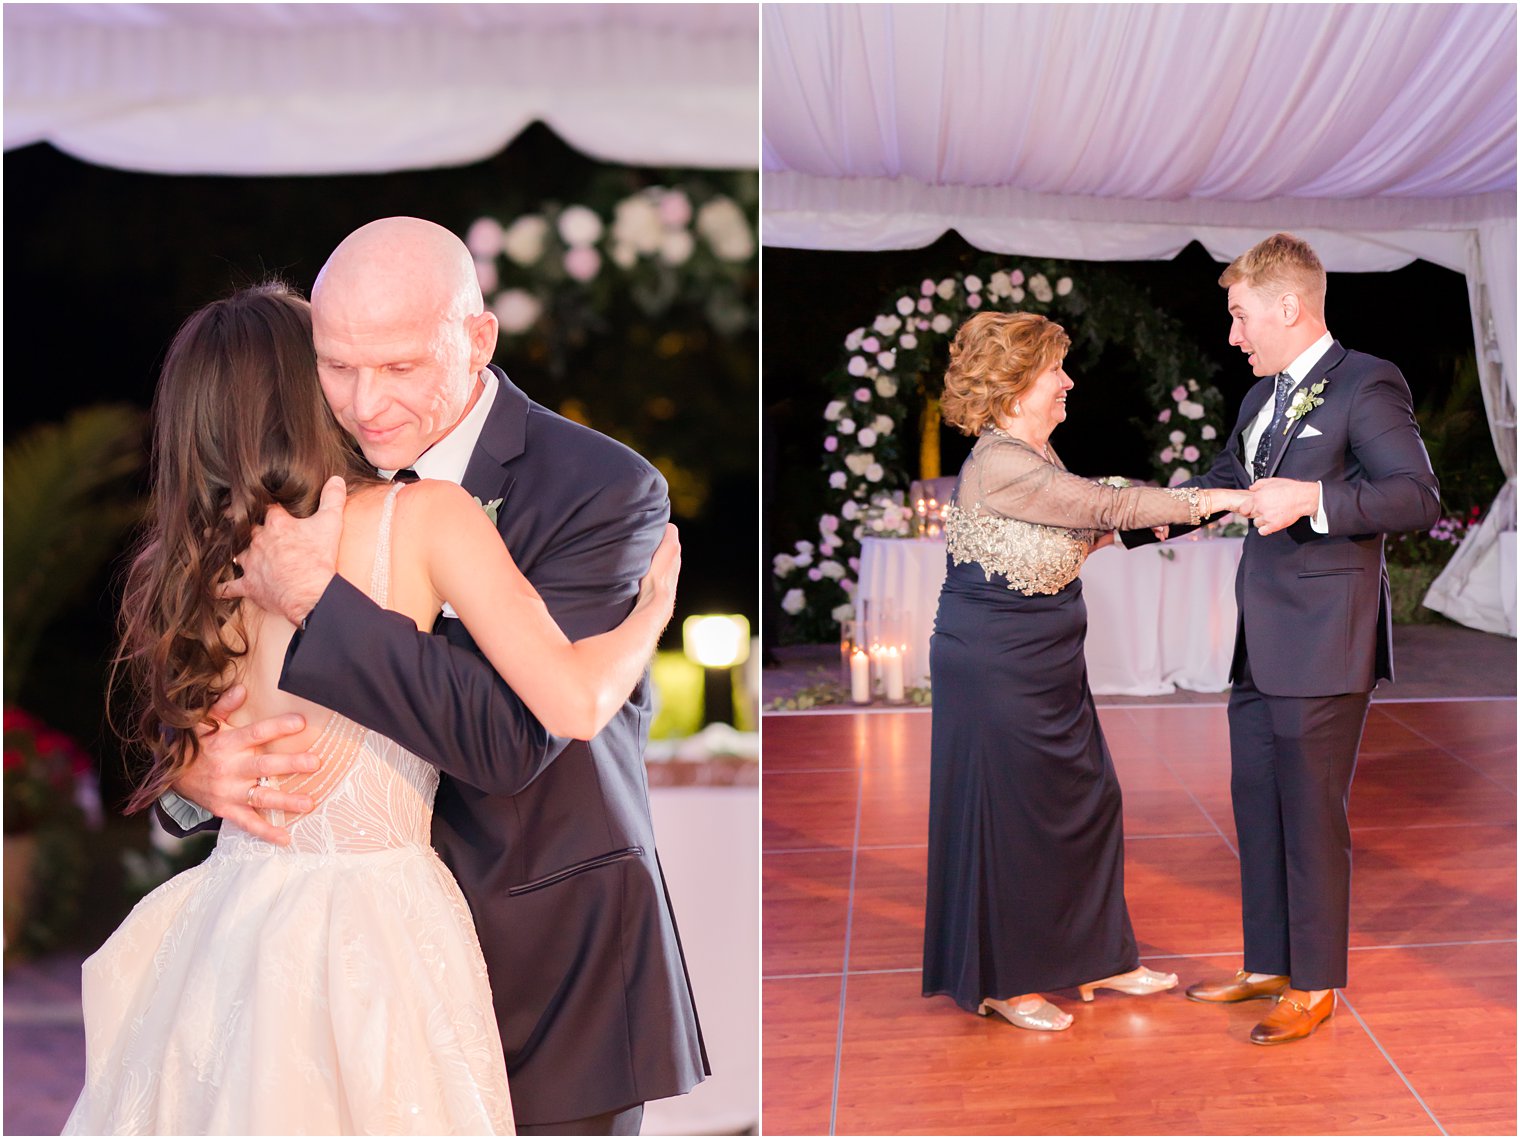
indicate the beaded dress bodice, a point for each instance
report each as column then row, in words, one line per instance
column 1023, row 516
column 371, row 794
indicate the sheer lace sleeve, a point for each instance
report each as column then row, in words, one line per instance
column 1008, row 478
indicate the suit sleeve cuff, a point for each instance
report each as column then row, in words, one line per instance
column 187, row 814
column 1317, row 521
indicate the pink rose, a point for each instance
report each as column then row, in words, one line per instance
column 675, row 209
column 862, row 394
column 1165, row 416
column 1016, row 277
column 1179, row 393
column 974, row 300
column 831, row 443
column 583, row 262
column 924, row 305
column 1166, row 455
column 815, row 574
column 871, row 344
column 1190, row 454
column 927, row 288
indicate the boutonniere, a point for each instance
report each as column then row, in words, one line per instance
column 489, row 507
column 1304, row 401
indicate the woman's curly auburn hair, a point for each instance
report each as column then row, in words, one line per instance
column 994, row 359
column 239, row 424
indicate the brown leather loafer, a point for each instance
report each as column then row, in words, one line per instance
column 1294, row 1018
column 1224, row 990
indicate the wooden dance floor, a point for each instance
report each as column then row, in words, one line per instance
column 1423, row 1042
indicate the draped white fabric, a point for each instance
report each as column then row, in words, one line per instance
column 1379, row 132
column 351, row 88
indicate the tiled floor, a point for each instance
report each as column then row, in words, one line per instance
column 1423, row 1043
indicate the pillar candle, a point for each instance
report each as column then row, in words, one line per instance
column 860, row 677
column 892, row 673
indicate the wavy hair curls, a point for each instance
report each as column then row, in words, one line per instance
column 994, row 359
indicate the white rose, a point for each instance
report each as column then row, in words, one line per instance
column 1180, row 475
column 516, row 310
column 831, row 569
column 484, row 238
column 887, row 360
column 676, row 247
column 804, row 548
column 837, row 480
column 842, row 612
column 783, row 564
column 850, row 510
column 887, row 325
column 1063, row 286
column 867, row 437
column 878, row 524
column 726, row 229
column 1176, row 437
column 946, row 289
column 579, row 226
column 856, row 366
column 852, row 341
column 973, row 284
column 1016, row 295
column 793, row 602
column 524, row 240
column 874, row 473
column 1041, row 289
column 624, row 256
column 886, row 387
column 804, row 558
column 940, row 324
column 908, row 340
column 1190, row 409
column 999, row 285
column 1208, row 431
column 883, row 424
column 636, row 222
column 905, row 305
column 1192, row 385
column 846, row 426
column 834, row 410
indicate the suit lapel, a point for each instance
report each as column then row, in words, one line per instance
column 1321, row 370
column 502, row 439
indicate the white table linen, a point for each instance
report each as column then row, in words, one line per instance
column 1156, row 623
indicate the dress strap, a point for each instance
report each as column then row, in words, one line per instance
column 380, row 575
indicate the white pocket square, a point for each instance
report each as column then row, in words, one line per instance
column 1309, row 432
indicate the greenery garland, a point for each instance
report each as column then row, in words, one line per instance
column 901, row 353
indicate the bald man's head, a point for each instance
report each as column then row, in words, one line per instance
column 401, row 334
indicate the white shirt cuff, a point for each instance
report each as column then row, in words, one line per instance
column 187, row 814
column 1318, row 522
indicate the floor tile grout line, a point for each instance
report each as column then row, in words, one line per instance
column 1173, row 957
column 1443, row 748
column 1204, row 810
column 1378, row 1044
column 872, row 710
column 849, row 924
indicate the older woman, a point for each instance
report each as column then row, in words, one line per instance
column 1026, row 840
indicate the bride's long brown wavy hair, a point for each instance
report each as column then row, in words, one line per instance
column 239, row 424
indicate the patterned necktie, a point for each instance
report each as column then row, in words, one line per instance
column 1263, row 457
column 405, row 474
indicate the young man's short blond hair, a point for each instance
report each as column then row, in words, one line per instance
column 1281, row 264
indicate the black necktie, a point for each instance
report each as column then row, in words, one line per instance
column 1268, row 441
column 405, row 474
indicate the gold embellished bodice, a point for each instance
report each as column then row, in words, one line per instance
column 1022, row 515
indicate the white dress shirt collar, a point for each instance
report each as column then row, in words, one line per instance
column 1304, row 363
column 448, row 458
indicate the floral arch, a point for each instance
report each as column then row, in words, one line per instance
column 865, row 455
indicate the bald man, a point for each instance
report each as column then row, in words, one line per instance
column 550, row 839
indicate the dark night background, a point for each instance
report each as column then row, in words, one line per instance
column 104, row 264
column 1417, row 316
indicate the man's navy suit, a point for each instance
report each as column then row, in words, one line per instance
column 550, row 840
column 1314, row 636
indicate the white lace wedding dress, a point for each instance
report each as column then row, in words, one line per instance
column 335, row 986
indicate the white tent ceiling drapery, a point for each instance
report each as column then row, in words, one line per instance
column 1380, row 133
column 353, row 88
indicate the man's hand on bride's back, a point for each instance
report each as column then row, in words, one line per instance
column 224, row 779
column 658, row 586
column 290, row 561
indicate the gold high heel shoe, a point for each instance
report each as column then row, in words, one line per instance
column 1139, row 982
column 1044, row 1018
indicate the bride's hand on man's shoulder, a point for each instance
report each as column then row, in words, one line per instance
column 659, row 584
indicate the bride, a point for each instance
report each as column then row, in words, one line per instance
column 334, row 984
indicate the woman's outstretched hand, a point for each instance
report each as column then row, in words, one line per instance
column 658, row 586
column 1222, row 500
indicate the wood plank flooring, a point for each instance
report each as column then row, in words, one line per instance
column 1423, row 1042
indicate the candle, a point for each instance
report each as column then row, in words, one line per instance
column 892, row 673
column 860, row 677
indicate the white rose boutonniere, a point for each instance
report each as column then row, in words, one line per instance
column 1304, row 401
column 489, row 507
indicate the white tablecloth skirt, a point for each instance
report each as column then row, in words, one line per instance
column 1159, row 618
